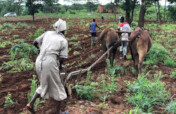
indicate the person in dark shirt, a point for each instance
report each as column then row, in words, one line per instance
column 92, row 28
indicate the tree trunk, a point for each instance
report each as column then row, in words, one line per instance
column 142, row 14
column 132, row 13
column 165, row 11
column 159, row 14
column 128, row 11
column 33, row 16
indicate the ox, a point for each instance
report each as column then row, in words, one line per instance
column 140, row 43
column 109, row 37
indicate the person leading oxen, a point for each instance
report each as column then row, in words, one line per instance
column 52, row 44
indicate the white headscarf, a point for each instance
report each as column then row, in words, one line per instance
column 60, row 25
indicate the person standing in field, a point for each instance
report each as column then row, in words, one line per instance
column 52, row 44
column 102, row 19
column 124, row 37
column 92, row 28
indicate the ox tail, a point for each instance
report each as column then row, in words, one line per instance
column 136, row 35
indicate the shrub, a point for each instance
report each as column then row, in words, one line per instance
column 22, row 50
column 145, row 94
column 156, row 54
column 169, row 62
column 171, row 107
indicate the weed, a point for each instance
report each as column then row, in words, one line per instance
column 76, row 53
column 173, row 75
column 169, row 62
column 37, row 33
column 4, row 44
column 133, row 70
column 19, row 65
column 8, row 25
column 171, row 107
column 22, row 50
column 23, row 25
column 145, row 94
column 156, row 54
column 174, row 51
column 33, row 89
column 8, row 100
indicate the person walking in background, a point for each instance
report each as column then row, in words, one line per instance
column 102, row 19
column 92, row 28
column 124, row 37
column 52, row 44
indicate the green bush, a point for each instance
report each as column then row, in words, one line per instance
column 145, row 94
column 22, row 50
column 156, row 54
column 169, row 62
column 171, row 107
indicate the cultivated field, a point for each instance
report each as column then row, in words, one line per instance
column 103, row 89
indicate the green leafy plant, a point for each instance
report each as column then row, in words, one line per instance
column 76, row 53
column 19, row 65
column 5, row 43
column 85, row 91
column 38, row 33
column 145, row 94
column 22, row 50
column 171, row 107
column 156, row 54
column 173, row 75
column 169, row 62
column 8, row 100
column 33, row 88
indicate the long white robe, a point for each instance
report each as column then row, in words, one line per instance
column 52, row 45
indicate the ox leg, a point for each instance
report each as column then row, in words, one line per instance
column 136, row 61
column 141, row 58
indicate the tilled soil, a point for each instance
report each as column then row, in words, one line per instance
column 18, row 84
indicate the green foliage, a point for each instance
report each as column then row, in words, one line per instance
column 136, row 110
column 169, row 62
column 172, row 10
column 85, row 91
column 145, row 93
column 112, row 70
column 156, row 54
column 22, row 50
column 171, row 107
column 133, row 70
column 33, row 88
column 174, row 51
column 76, row 53
column 19, row 65
column 8, row 25
column 173, row 75
column 5, row 43
column 23, row 25
column 38, row 33
column 8, row 100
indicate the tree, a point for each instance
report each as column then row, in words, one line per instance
column 91, row 5
column 129, row 6
column 33, row 6
column 113, row 6
column 49, row 5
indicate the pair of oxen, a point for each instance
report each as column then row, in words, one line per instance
column 139, row 43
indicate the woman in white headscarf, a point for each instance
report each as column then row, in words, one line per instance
column 52, row 44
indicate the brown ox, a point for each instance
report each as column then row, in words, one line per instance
column 140, row 44
column 108, row 38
